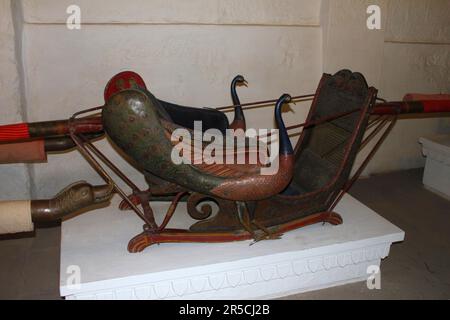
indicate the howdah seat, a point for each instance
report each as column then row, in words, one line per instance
column 310, row 181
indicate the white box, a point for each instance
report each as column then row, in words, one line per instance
column 436, row 176
column 310, row 258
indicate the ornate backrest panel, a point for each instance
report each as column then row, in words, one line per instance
column 326, row 152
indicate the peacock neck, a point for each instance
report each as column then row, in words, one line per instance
column 285, row 142
column 238, row 113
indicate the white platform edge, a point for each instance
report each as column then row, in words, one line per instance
column 436, row 176
column 256, row 278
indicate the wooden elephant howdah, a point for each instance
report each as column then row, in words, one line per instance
column 309, row 180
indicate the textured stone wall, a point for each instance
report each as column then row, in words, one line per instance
column 416, row 58
column 234, row 12
column 188, row 52
column 14, row 179
column 411, row 53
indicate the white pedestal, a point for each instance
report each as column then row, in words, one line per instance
column 310, row 258
column 436, row 176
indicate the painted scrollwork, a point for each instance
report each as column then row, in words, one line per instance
column 205, row 209
column 224, row 219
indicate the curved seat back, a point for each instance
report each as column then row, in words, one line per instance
column 325, row 153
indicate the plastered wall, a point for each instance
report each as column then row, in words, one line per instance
column 188, row 52
column 411, row 53
column 416, row 58
column 14, row 179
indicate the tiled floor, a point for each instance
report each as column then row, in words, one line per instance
column 417, row 268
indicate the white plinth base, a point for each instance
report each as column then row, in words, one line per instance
column 436, row 176
column 310, row 258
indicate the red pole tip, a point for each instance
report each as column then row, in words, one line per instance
column 14, row 132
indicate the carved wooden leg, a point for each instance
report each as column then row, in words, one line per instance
column 244, row 219
column 140, row 242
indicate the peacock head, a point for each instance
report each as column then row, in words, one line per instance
column 239, row 81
